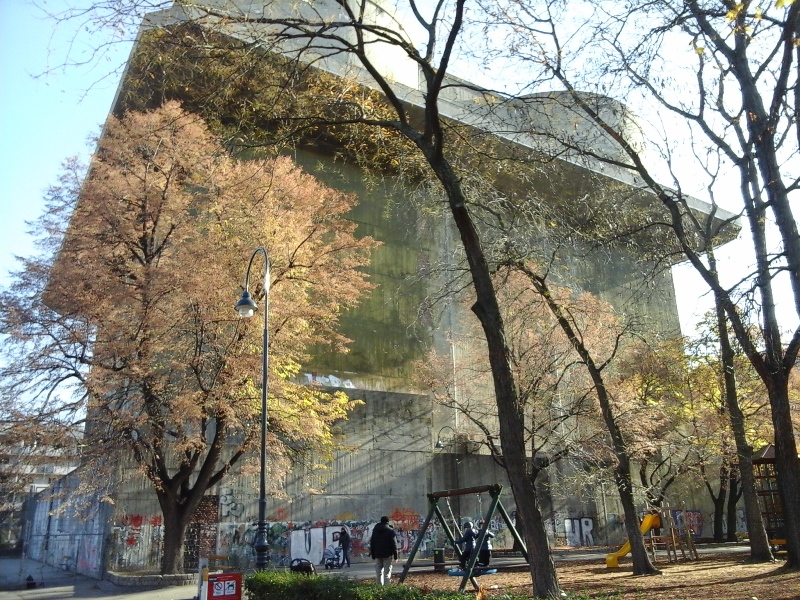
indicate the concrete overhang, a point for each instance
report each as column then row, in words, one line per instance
column 539, row 122
column 534, row 123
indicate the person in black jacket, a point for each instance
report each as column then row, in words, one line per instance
column 468, row 537
column 344, row 543
column 383, row 549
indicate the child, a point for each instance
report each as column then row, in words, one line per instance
column 468, row 539
column 485, row 553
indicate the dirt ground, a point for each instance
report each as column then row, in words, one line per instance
column 713, row 577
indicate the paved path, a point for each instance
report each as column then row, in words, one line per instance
column 54, row 584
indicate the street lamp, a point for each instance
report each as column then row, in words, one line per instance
column 439, row 444
column 246, row 307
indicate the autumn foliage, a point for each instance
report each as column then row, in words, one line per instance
column 138, row 308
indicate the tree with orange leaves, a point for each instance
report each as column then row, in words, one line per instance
column 126, row 321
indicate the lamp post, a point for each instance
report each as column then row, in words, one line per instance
column 246, row 307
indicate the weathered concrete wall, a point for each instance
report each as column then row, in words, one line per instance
column 364, row 484
column 390, row 331
column 66, row 528
column 386, row 332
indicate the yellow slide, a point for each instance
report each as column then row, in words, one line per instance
column 651, row 521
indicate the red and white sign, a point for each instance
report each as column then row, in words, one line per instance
column 224, row 586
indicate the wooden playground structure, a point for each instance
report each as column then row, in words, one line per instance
column 661, row 534
column 769, row 498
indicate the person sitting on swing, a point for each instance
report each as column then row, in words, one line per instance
column 485, row 553
column 467, row 538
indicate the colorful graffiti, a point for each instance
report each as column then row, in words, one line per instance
column 138, row 539
column 688, row 519
column 405, row 518
column 138, row 535
column 235, row 540
column 132, row 526
column 289, row 540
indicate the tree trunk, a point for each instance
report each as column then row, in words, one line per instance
column 178, row 508
column 622, row 475
column 639, row 556
column 543, row 572
column 787, row 468
column 175, row 524
column 733, row 498
column 760, row 550
column 719, row 505
column 511, row 421
column 539, row 554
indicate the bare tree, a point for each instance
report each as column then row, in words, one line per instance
column 554, row 390
column 736, row 104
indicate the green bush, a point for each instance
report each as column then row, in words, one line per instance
column 275, row 585
column 269, row 585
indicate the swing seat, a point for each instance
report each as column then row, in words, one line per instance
column 475, row 572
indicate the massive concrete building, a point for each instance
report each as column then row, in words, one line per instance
column 393, row 457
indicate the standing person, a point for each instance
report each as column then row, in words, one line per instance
column 468, row 539
column 485, row 553
column 383, row 548
column 344, row 544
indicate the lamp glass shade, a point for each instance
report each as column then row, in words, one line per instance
column 246, row 307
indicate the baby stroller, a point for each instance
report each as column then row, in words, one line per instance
column 332, row 557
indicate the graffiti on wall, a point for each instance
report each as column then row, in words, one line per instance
column 571, row 530
column 138, row 538
column 310, row 540
column 134, row 527
column 229, row 505
column 327, row 381
column 235, row 540
column 682, row 519
column 554, row 525
column 137, row 541
column 502, row 535
column 688, row 519
column 579, row 531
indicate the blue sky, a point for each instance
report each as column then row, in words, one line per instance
column 45, row 118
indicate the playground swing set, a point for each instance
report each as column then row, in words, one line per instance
column 472, row 570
